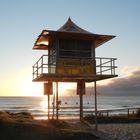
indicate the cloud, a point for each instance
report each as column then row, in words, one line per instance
column 128, row 85
column 128, row 71
column 125, row 86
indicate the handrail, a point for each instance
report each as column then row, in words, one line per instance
column 105, row 112
column 103, row 65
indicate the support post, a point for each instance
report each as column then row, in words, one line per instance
column 48, row 106
column 95, row 91
column 54, row 89
column 57, row 100
column 81, row 92
column 81, row 105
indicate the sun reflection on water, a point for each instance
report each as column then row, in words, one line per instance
column 44, row 103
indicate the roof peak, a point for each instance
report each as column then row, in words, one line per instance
column 69, row 19
column 70, row 26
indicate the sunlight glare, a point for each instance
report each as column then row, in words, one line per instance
column 63, row 87
column 32, row 89
column 44, row 103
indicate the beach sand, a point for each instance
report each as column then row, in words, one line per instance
column 22, row 126
column 43, row 131
column 129, row 131
column 37, row 130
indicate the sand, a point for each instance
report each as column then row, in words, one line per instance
column 127, row 131
column 22, row 126
column 37, row 130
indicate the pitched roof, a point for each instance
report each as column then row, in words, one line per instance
column 69, row 30
column 70, row 26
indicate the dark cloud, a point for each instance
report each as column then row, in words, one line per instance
column 128, row 85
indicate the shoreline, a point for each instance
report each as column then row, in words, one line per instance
column 38, row 106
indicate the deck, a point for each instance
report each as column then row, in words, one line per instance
column 104, row 69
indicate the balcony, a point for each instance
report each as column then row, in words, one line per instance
column 43, row 70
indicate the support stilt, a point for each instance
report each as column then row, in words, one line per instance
column 48, row 106
column 81, row 105
column 54, row 89
column 81, row 92
column 57, row 106
column 95, row 91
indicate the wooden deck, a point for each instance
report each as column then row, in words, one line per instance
column 103, row 68
column 71, row 78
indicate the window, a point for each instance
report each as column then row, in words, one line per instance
column 74, row 48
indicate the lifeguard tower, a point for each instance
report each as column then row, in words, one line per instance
column 70, row 57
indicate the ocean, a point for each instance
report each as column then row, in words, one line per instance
column 69, row 106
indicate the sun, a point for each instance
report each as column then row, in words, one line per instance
column 29, row 88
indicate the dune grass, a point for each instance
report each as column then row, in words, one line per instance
column 15, row 117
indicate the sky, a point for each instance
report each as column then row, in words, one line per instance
column 23, row 20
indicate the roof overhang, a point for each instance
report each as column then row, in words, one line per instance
column 45, row 39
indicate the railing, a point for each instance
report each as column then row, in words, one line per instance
column 111, row 112
column 104, row 66
column 41, row 66
column 119, row 115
